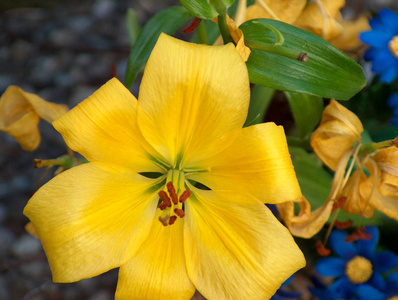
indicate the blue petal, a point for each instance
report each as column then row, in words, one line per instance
column 367, row 247
column 366, row 292
column 377, row 281
column 339, row 246
column 384, row 261
column 392, row 284
column 389, row 74
column 390, row 20
column 342, row 287
column 393, row 100
column 375, row 39
column 394, row 121
column 331, row 266
column 376, row 24
column 382, row 61
column 371, row 53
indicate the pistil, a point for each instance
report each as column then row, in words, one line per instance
column 393, row 46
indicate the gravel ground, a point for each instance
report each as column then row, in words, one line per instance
column 63, row 51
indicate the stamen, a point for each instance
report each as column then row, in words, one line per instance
column 163, row 196
column 185, row 195
column 343, row 225
column 320, row 248
column 164, row 220
column 172, row 192
column 172, row 220
column 179, row 212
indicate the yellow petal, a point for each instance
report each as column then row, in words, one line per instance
column 338, row 131
column 258, row 162
column 319, row 17
column 20, row 112
column 31, row 230
column 349, row 40
column 282, row 10
column 185, row 111
column 104, row 128
column 158, row 270
column 307, row 223
column 236, row 251
column 92, row 218
column 237, row 36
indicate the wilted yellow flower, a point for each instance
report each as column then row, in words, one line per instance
column 320, row 17
column 180, row 134
column 20, row 113
column 338, row 131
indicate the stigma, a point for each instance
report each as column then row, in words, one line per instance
column 172, row 204
column 393, row 46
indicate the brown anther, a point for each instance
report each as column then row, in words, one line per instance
column 162, row 206
column 191, row 27
column 358, row 234
column 184, row 196
column 339, row 203
column 172, row 192
column 320, row 248
column 172, row 220
column 164, row 220
column 163, row 196
column 179, row 212
column 343, row 225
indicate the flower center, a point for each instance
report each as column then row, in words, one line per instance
column 359, row 270
column 393, row 298
column 173, row 197
column 393, row 46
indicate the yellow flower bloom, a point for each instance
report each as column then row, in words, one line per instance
column 186, row 127
column 20, row 113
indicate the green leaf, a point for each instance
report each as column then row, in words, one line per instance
column 200, row 8
column 327, row 73
column 167, row 21
column 133, row 28
column 260, row 99
column 315, row 181
column 307, row 111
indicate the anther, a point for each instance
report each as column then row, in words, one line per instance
column 163, row 196
column 339, row 203
column 179, row 212
column 164, row 220
column 185, row 195
column 172, row 192
column 172, row 220
column 358, row 234
column 192, row 26
column 320, row 248
column 162, row 206
column 343, row 225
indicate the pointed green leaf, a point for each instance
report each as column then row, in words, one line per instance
column 167, row 21
column 307, row 111
column 327, row 73
column 260, row 99
column 133, row 28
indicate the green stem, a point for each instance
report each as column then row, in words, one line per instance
column 280, row 50
column 202, row 33
column 222, row 25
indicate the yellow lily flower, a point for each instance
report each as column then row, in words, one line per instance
column 187, row 128
column 20, row 113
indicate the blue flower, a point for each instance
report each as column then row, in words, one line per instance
column 357, row 264
column 383, row 41
column 390, row 291
column 393, row 103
